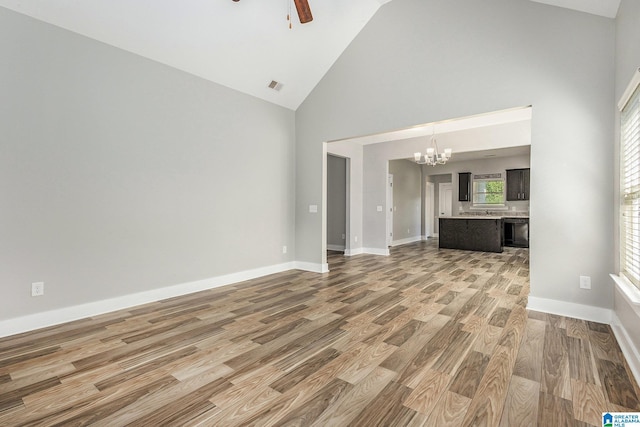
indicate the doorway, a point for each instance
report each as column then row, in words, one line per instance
column 471, row 138
column 337, row 194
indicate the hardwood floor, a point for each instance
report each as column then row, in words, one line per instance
column 422, row 337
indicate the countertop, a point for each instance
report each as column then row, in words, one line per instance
column 484, row 217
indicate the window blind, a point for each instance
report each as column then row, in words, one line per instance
column 630, row 188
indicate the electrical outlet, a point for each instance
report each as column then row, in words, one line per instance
column 37, row 289
column 343, row 236
column 585, row 282
column 284, row 249
column 355, row 238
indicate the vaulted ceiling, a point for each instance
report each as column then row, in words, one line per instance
column 243, row 45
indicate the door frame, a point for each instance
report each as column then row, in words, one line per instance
column 389, row 227
column 429, row 211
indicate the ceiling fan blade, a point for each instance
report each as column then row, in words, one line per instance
column 304, row 12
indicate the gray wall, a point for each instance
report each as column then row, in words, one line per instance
column 120, row 175
column 627, row 61
column 407, row 199
column 422, row 61
column 336, row 201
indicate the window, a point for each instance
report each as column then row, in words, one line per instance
column 488, row 190
column 630, row 182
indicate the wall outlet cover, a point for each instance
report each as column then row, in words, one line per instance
column 585, row 282
column 37, row 289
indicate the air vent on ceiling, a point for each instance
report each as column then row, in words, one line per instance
column 275, row 85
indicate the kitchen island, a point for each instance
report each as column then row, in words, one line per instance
column 484, row 233
column 471, row 233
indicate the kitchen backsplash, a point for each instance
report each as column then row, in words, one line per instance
column 493, row 213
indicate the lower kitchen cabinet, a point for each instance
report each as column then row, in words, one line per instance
column 471, row 234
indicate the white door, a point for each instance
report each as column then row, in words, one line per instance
column 429, row 212
column 445, row 205
column 445, row 202
column 389, row 209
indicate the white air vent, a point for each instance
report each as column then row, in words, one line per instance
column 275, row 85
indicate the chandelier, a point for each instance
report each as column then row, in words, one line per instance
column 432, row 157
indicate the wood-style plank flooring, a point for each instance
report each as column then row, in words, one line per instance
column 422, row 337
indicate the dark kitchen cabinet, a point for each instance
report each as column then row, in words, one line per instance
column 464, row 187
column 518, row 184
column 481, row 234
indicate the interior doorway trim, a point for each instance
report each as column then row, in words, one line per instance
column 429, row 212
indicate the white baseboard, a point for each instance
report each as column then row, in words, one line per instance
column 630, row 351
column 435, row 235
column 67, row 314
column 338, row 248
column 376, row 251
column 407, row 240
column 570, row 309
column 351, row 252
column 311, row 266
column 368, row 251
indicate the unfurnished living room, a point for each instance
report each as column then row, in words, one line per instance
column 329, row 213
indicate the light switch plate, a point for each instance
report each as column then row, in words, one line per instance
column 379, row 208
column 313, row 208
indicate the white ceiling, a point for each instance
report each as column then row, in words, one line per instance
column 242, row 45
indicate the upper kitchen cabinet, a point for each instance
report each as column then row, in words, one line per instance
column 518, row 184
column 464, row 186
